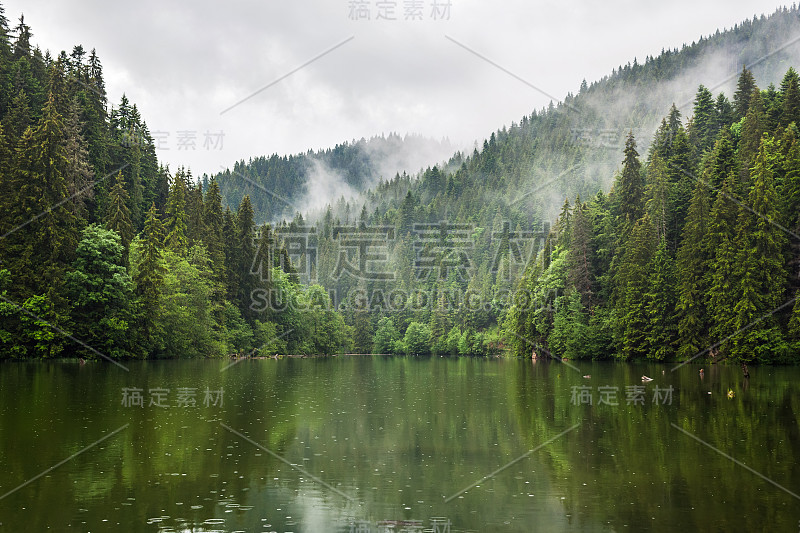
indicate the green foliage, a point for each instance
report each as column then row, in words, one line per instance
column 710, row 282
column 686, row 252
column 386, row 335
column 101, row 293
column 417, row 339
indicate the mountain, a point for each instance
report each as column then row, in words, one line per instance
column 281, row 186
column 575, row 144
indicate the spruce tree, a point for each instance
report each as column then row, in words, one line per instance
column 245, row 228
column 790, row 96
column 693, row 262
column 195, row 229
column 721, row 241
column 212, row 225
column 744, row 92
column 658, row 196
column 753, row 128
column 629, row 188
column 681, row 175
column 761, row 270
column 149, row 279
column 660, row 306
column 232, row 247
column 703, row 120
column 580, row 259
column 47, row 244
column 118, row 216
column 176, row 217
column 634, row 280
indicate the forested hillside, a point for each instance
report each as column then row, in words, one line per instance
column 281, row 186
column 695, row 250
column 105, row 253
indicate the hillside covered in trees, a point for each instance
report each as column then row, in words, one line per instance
column 106, row 253
column 695, row 250
column 103, row 251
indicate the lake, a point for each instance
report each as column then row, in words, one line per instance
column 371, row 443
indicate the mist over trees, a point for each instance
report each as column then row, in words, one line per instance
column 694, row 252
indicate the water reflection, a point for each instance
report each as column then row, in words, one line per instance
column 360, row 442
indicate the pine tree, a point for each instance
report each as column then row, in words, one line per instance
column 176, row 217
column 693, row 262
column 753, row 128
column 721, row 162
column 118, row 216
column 232, row 247
column 703, row 120
column 47, row 245
column 633, row 281
column 681, row 175
column 149, row 279
column 761, row 271
column 723, row 114
column 212, row 225
column 745, row 88
column 245, row 228
column 22, row 44
column 564, row 225
column 78, row 172
column 721, row 241
column 658, row 196
column 790, row 95
column 580, row 259
column 195, row 229
column 793, row 331
column 789, row 193
column 18, row 118
column 660, row 306
column 629, row 187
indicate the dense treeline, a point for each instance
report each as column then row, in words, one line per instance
column 511, row 184
column 695, row 250
column 105, row 253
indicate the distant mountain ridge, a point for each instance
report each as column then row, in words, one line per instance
column 576, row 143
column 279, row 186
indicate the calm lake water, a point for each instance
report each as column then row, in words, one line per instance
column 358, row 443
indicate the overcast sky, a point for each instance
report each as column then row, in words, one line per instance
column 185, row 63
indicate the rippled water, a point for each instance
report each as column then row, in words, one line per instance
column 365, row 443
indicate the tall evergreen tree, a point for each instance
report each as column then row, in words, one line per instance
column 149, row 279
column 745, row 88
column 660, row 306
column 633, row 281
column 753, row 129
column 790, row 98
column 629, row 187
column 703, row 120
column 721, row 240
column 212, row 226
column 761, row 271
column 693, row 262
column 176, row 217
column 118, row 216
column 47, row 245
column 580, row 260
